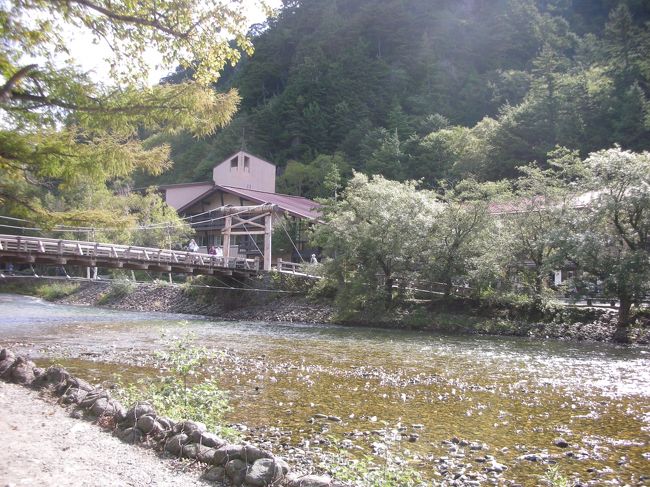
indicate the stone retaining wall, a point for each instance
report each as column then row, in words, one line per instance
column 243, row 465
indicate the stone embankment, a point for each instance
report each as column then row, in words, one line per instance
column 226, row 464
column 240, row 305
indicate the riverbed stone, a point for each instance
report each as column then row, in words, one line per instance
column 5, row 365
column 80, row 383
column 189, row 427
column 130, row 435
column 147, row 424
column 190, row 450
column 73, row 396
column 560, row 442
column 56, row 375
column 228, row 452
column 175, row 444
column 101, row 406
column 266, row 471
column 296, row 480
column 107, row 407
column 5, row 353
column 21, row 371
column 205, row 454
column 236, row 469
column 215, row 474
column 140, row 409
column 166, row 423
column 207, row 439
column 253, row 453
column 92, row 397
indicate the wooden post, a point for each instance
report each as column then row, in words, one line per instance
column 226, row 239
column 268, row 229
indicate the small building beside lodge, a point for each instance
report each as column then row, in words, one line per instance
column 243, row 180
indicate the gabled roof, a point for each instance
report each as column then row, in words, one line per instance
column 244, row 152
column 294, row 205
column 182, row 185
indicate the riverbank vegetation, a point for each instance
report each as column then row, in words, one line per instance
column 494, row 244
column 184, row 390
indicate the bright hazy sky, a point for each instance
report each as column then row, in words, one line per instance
column 91, row 57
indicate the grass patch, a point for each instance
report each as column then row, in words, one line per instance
column 56, row 290
column 118, row 290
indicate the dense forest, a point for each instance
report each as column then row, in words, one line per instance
column 430, row 90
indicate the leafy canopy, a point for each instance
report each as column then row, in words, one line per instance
column 58, row 126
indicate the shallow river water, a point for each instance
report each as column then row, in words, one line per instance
column 510, row 398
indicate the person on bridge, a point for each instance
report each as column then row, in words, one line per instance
column 193, row 246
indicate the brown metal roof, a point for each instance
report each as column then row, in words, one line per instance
column 295, row 205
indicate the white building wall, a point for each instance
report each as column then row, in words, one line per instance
column 243, row 170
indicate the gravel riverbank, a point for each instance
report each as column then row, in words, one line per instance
column 43, row 446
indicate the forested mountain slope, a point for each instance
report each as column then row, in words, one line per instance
column 431, row 89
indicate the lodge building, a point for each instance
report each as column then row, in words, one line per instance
column 243, row 180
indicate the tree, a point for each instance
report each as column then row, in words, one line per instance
column 375, row 232
column 612, row 241
column 532, row 219
column 459, row 240
column 59, row 126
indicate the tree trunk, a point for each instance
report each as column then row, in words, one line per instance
column 625, row 304
column 388, row 290
column 539, row 289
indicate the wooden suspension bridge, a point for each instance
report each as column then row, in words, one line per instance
column 37, row 250
column 239, row 220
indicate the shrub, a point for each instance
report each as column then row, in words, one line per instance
column 184, row 393
column 118, row 290
column 56, row 290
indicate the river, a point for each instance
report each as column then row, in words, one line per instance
column 508, row 397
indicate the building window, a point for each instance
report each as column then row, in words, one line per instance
column 247, row 164
column 233, row 163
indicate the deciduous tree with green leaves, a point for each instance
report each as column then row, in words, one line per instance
column 611, row 236
column 459, row 241
column 59, row 126
column 375, row 232
column 532, row 221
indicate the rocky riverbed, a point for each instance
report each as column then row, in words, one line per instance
column 453, row 409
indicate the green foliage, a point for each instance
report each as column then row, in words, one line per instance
column 62, row 130
column 375, row 231
column 520, row 78
column 392, row 242
column 118, row 290
column 372, row 472
column 185, row 392
column 56, row 290
column 554, row 478
column 610, row 241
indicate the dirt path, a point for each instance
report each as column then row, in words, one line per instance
column 43, row 446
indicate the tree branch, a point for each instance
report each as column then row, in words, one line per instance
column 131, row 19
column 8, row 87
column 47, row 101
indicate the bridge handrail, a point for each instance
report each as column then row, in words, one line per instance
column 61, row 247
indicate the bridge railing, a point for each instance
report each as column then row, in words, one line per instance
column 96, row 250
